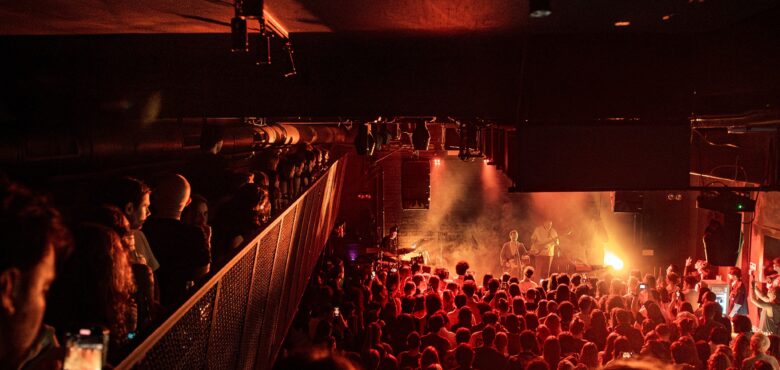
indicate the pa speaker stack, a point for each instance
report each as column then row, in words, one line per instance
column 722, row 241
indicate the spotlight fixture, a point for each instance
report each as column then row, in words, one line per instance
column 539, row 8
column 381, row 134
column 469, row 142
column 239, row 35
column 420, row 136
column 364, row 141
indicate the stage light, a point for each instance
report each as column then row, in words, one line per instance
column 437, row 162
column 364, row 141
column 622, row 24
column 381, row 133
column 239, row 35
column 420, row 136
column 539, row 8
column 610, row 259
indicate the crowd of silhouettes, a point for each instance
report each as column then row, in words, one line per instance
column 136, row 251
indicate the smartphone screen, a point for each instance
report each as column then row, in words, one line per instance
column 643, row 286
column 336, row 312
column 85, row 350
column 626, row 355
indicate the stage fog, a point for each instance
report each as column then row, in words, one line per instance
column 471, row 214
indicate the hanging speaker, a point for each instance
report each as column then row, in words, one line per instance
column 722, row 240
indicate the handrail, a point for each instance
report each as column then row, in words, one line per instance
column 139, row 353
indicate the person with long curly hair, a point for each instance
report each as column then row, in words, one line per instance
column 143, row 277
column 96, row 286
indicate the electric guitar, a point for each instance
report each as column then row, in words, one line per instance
column 542, row 247
column 517, row 262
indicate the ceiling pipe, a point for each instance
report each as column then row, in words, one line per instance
column 162, row 140
column 745, row 121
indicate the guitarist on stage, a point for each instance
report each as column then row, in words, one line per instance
column 510, row 254
column 545, row 246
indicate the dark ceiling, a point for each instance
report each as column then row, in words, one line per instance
column 359, row 58
column 91, row 65
column 57, row 17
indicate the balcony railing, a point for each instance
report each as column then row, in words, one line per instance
column 240, row 316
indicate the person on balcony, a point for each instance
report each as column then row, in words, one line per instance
column 183, row 250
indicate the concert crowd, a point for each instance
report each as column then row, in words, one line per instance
column 409, row 316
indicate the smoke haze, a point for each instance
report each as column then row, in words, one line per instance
column 471, row 214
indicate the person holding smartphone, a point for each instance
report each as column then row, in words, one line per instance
column 769, row 304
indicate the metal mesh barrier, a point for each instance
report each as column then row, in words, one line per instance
column 226, row 335
column 184, row 345
column 239, row 317
column 279, row 291
column 258, row 299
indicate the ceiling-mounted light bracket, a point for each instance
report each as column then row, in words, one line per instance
column 292, row 71
column 252, row 9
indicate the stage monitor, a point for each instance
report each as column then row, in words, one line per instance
column 602, row 155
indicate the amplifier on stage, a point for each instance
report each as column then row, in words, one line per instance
column 721, row 290
column 579, row 266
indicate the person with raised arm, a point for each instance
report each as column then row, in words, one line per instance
column 769, row 305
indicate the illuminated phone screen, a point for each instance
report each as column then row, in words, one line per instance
column 84, row 356
column 84, row 351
